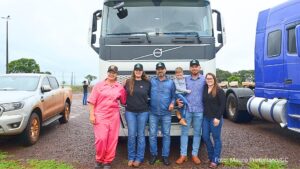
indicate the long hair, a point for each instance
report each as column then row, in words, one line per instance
column 132, row 79
column 215, row 85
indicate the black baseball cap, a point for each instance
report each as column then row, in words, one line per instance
column 194, row 62
column 112, row 68
column 138, row 66
column 160, row 65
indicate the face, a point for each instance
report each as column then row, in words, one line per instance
column 160, row 72
column 179, row 75
column 111, row 75
column 195, row 69
column 138, row 73
column 210, row 80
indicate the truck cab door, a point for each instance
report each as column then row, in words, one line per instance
column 46, row 100
column 273, row 61
column 292, row 59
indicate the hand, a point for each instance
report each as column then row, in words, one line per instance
column 216, row 122
column 92, row 119
column 124, row 82
column 179, row 103
column 171, row 107
column 188, row 91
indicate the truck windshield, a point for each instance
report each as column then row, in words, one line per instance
column 18, row 83
column 159, row 18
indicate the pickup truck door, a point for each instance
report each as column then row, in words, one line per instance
column 47, row 103
column 58, row 96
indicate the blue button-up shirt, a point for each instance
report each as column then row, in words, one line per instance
column 162, row 95
column 195, row 97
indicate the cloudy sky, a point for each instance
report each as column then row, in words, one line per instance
column 55, row 34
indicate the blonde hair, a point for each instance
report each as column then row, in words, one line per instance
column 178, row 70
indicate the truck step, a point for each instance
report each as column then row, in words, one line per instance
column 294, row 129
column 294, row 116
column 52, row 119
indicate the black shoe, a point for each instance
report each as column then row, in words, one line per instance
column 152, row 160
column 98, row 165
column 166, row 161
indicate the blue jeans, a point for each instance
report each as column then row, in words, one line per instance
column 214, row 151
column 196, row 118
column 185, row 104
column 165, row 129
column 136, row 123
column 84, row 99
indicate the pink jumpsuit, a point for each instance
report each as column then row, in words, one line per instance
column 105, row 99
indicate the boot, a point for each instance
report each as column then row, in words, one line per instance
column 196, row 160
column 182, row 122
column 181, row 159
column 178, row 114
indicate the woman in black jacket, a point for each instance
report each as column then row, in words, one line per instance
column 214, row 104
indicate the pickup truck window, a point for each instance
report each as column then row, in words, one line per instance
column 16, row 83
column 45, row 81
column 53, row 83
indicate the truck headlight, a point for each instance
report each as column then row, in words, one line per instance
column 12, row 106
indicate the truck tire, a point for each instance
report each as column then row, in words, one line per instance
column 65, row 114
column 233, row 112
column 31, row 133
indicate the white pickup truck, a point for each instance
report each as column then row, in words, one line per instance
column 29, row 101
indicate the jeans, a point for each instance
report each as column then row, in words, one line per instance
column 196, row 118
column 165, row 129
column 84, row 99
column 136, row 123
column 214, row 151
column 185, row 104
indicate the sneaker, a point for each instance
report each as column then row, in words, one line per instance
column 98, row 165
column 130, row 163
column 152, row 160
column 166, row 161
column 136, row 164
column 212, row 165
column 107, row 166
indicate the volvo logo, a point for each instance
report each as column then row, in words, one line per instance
column 157, row 52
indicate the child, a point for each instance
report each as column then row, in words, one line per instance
column 181, row 91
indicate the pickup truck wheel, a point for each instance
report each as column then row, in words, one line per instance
column 31, row 133
column 66, row 114
column 233, row 111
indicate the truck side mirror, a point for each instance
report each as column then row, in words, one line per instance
column 46, row 88
column 220, row 38
column 96, row 16
column 221, row 29
column 297, row 31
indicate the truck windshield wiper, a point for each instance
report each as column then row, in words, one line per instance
column 134, row 33
column 184, row 33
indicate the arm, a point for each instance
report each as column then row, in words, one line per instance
column 221, row 100
column 92, row 113
column 123, row 96
column 171, row 106
column 181, row 88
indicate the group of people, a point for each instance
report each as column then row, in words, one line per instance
column 198, row 101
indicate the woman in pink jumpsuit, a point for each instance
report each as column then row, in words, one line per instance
column 105, row 116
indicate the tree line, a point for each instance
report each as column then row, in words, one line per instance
column 240, row 76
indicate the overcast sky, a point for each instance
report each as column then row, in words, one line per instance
column 55, row 34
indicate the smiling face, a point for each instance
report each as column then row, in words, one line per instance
column 138, row 73
column 161, row 72
column 210, row 81
column 112, row 76
column 195, row 69
column 179, row 75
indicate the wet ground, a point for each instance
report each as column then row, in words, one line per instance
column 73, row 143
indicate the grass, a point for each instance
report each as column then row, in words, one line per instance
column 45, row 164
column 267, row 164
column 31, row 164
column 231, row 162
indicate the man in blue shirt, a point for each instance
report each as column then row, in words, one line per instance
column 161, row 105
column 194, row 82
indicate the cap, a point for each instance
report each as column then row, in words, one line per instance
column 113, row 68
column 194, row 62
column 138, row 66
column 160, row 65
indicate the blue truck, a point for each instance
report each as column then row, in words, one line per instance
column 276, row 96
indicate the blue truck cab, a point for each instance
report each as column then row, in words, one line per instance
column 277, row 66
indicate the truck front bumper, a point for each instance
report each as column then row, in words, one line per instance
column 12, row 124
